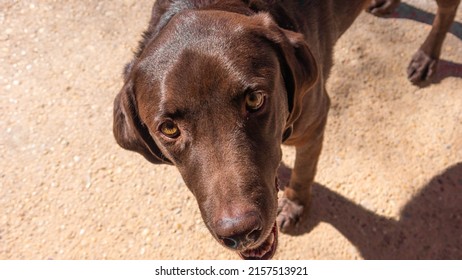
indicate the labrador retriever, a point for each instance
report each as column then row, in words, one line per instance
column 217, row 86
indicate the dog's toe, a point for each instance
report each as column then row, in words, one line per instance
column 382, row 7
column 290, row 214
column 421, row 68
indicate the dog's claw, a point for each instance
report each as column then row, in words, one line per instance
column 421, row 68
column 289, row 215
column 382, row 7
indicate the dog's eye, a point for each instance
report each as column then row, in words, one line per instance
column 254, row 101
column 169, row 129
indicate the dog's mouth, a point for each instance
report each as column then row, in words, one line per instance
column 266, row 250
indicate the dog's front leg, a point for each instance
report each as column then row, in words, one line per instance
column 424, row 62
column 294, row 205
column 382, row 7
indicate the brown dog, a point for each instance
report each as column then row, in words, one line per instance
column 218, row 85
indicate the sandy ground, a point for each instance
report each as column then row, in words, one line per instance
column 389, row 180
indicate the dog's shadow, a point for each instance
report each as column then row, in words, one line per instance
column 429, row 227
column 446, row 68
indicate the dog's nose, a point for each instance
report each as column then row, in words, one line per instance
column 239, row 232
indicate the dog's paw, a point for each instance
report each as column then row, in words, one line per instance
column 382, row 7
column 290, row 214
column 421, row 69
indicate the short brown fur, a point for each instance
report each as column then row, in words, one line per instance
column 197, row 64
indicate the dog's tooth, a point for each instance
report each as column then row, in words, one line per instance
column 264, row 252
column 271, row 239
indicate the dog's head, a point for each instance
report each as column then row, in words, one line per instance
column 214, row 94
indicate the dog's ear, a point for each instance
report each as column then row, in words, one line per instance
column 129, row 132
column 299, row 70
column 298, row 65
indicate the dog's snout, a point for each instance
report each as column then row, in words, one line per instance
column 239, row 232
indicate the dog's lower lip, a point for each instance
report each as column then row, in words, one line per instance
column 266, row 250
